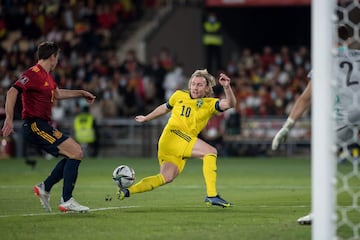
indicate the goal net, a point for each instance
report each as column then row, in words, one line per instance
column 336, row 105
column 348, row 175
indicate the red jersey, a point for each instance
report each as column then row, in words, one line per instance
column 37, row 87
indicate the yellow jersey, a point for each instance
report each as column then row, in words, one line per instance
column 190, row 115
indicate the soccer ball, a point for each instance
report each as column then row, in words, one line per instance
column 123, row 176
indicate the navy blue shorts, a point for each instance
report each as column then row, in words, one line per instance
column 42, row 134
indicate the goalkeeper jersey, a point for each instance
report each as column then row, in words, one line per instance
column 347, row 88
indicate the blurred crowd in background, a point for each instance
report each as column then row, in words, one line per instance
column 266, row 82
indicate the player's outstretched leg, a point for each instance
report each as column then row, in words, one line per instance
column 144, row 185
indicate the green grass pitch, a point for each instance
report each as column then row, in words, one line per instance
column 269, row 194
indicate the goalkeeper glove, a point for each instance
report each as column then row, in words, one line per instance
column 282, row 134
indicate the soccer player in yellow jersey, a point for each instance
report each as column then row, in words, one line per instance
column 190, row 112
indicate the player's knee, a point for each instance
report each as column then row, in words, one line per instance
column 77, row 154
column 211, row 150
column 169, row 176
column 71, row 149
column 169, row 179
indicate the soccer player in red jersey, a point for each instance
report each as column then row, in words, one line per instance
column 39, row 90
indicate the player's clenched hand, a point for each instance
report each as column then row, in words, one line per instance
column 282, row 134
column 8, row 128
column 224, row 80
column 90, row 98
column 140, row 118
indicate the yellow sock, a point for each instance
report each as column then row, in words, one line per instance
column 209, row 172
column 147, row 184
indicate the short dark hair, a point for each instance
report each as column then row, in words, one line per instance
column 46, row 49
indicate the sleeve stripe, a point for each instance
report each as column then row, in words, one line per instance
column 168, row 105
column 217, row 106
column 17, row 88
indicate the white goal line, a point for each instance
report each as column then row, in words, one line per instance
column 58, row 213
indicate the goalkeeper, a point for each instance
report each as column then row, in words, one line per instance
column 301, row 105
column 190, row 112
column 347, row 89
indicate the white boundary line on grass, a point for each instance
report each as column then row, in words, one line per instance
column 192, row 186
column 58, row 213
column 126, row 207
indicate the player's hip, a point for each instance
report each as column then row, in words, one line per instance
column 40, row 132
column 176, row 143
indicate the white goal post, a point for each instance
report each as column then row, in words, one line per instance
column 335, row 100
column 323, row 158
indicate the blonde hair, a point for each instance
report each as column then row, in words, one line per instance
column 210, row 81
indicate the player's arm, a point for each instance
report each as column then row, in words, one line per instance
column 230, row 100
column 157, row 112
column 11, row 97
column 302, row 104
column 67, row 93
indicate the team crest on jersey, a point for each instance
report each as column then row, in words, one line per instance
column 57, row 134
column 46, row 84
column 35, row 69
column 23, row 80
column 199, row 102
